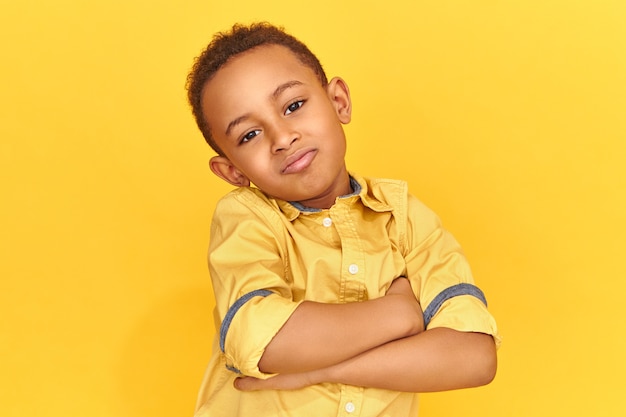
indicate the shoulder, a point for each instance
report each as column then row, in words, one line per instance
column 246, row 203
column 244, row 196
column 248, row 215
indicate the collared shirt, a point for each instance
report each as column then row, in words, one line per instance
column 266, row 256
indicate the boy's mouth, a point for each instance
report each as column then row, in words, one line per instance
column 298, row 161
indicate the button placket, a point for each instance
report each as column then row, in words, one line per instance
column 351, row 401
column 353, row 257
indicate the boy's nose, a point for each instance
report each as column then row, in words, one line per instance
column 284, row 137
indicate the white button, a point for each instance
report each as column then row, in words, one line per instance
column 327, row 222
column 350, row 407
column 353, row 269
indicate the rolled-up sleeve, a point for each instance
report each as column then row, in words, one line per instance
column 249, row 275
column 441, row 276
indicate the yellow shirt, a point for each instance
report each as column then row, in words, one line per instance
column 266, row 256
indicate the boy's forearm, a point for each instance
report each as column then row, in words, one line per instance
column 435, row 360
column 318, row 335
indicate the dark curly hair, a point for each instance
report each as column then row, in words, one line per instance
column 226, row 45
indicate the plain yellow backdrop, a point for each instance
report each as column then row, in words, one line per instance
column 508, row 118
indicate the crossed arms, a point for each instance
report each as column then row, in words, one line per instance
column 392, row 351
column 378, row 343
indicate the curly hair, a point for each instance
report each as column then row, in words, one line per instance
column 226, row 45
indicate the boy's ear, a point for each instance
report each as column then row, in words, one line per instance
column 339, row 95
column 223, row 168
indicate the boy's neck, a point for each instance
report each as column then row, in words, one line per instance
column 354, row 189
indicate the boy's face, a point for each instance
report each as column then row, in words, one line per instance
column 278, row 127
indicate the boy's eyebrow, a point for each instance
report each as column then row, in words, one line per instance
column 277, row 92
column 284, row 87
column 236, row 122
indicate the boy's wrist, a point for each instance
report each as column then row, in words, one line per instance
column 331, row 374
column 319, row 376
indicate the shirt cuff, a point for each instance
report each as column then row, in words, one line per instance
column 249, row 326
column 463, row 311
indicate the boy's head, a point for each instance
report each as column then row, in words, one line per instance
column 262, row 101
column 225, row 46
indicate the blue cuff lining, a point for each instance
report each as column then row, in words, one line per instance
column 230, row 314
column 450, row 292
column 233, row 369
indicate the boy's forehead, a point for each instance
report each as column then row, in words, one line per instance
column 276, row 61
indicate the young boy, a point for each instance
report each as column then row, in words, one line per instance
column 320, row 275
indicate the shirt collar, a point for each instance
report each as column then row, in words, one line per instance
column 360, row 191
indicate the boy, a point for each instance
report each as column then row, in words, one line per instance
column 320, row 275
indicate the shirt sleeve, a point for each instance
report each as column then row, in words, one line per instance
column 248, row 272
column 441, row 276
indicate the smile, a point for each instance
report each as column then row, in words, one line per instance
column 299, row 161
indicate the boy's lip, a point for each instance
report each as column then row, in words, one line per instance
column 298, row 161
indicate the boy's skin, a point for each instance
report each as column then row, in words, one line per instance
column 281, row 129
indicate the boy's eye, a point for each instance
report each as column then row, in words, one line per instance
column 294, row 106
column 250, row 135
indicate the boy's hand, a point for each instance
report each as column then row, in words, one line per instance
column 278, row 382
column 401, row 288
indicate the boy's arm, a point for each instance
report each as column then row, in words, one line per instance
column 318, row 335
column 435, row 360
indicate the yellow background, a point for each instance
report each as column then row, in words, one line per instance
column 508, row 118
